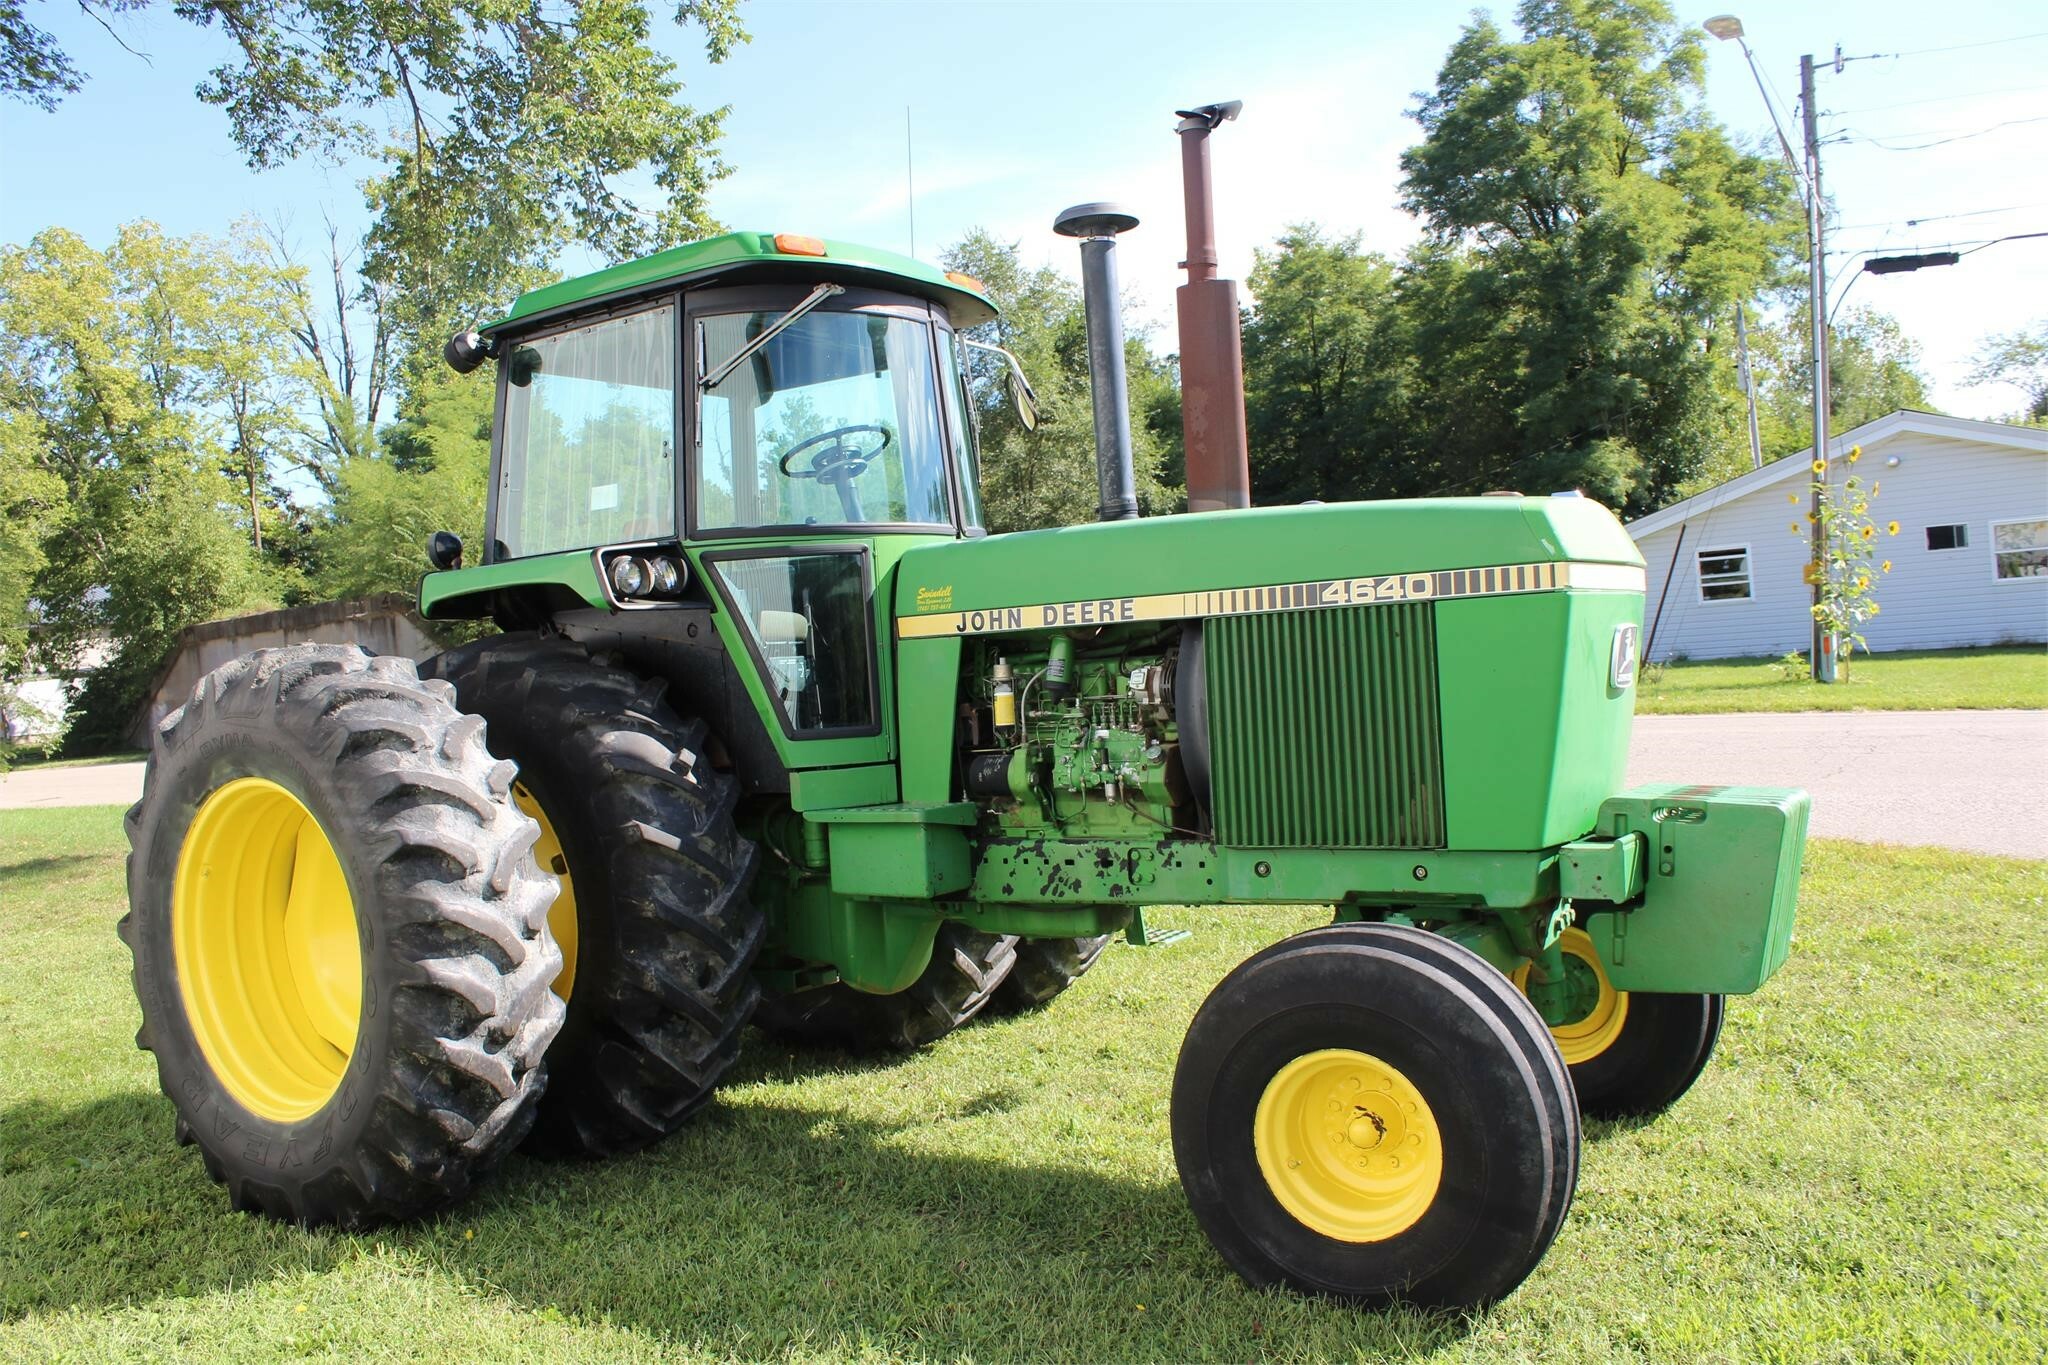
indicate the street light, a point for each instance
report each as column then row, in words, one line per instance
column 1893, row 265
column 1728, row 28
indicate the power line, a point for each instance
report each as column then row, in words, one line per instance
column 1936, row 218
column 1956, row 47
column 1937, row 99
column 2015, row 237
column 1882, row 145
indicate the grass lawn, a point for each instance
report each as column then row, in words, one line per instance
column 1862, row 1175
column 1912, row 680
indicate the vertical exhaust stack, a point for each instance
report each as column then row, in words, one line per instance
column 1211, row 344
column 1097, row 225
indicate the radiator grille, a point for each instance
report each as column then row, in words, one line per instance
column 1323, row 728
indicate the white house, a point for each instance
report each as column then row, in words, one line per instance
column 1969, row 562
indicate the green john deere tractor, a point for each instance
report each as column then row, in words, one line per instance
column 774, row 733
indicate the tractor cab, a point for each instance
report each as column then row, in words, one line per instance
column 744, row 433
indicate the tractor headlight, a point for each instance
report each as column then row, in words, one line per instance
column 668, row 577
column 631, row 575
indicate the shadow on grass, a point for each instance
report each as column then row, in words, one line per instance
column 762, row 1227
column 27, row 868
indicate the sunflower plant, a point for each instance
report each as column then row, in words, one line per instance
column 1850, row 565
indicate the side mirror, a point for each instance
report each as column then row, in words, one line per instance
column 523, row 366
column 1021, row 396
column 444, row 550
column 465, row 351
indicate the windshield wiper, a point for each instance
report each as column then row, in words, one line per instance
column 768, row 334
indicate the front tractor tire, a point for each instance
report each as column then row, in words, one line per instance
column 655, row 914
column 339, row 937
column 1373, row 1113
column 1631, row 1053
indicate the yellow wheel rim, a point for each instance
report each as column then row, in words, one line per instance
column 270, row 963
column 1593, row 1032
column 562, row 914
column 1348, row 1145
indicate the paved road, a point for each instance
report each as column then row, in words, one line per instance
column 108, row 784
column 1975, row 780
column 1968, row 779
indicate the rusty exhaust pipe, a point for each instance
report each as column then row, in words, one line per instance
column 1211, row 344
column 1097, row 225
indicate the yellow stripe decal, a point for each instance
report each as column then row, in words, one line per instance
column 1498, row 581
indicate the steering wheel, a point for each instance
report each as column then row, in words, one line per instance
column 838, row 463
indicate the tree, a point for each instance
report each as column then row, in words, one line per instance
column 2019, row 358
column 432, row 474
column 31, row 498
column 1047, row 477
column 142, row 408
column 1570, row 316
column 1873, row 369
column 506, row 129
column 351, row 377
column 1321, row 374
column 33, row 66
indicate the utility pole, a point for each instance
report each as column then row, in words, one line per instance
column 1742, row 372
column 1823, row 646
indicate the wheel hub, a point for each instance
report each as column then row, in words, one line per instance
column 270, row 964
column 1599, row 1011
column 1348, row 1145
column 547, row 851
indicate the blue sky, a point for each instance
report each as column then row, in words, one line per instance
column 1018, row 110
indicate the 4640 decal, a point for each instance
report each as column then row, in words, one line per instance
column 1496, row 580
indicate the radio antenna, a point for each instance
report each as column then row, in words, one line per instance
column 910, row 179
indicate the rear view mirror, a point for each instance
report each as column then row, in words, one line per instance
column 1022, row 396
column 523, row 366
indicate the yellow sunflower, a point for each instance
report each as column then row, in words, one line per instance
column 1891, row 528
column 1820, row 466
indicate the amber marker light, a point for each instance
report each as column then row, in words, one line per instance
column 966, row 281
column 795, row 244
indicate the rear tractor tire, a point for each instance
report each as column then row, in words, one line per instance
column 1045, row 967
column 339, row 936
column 655, row 917
column 1374, row 1113
column 1633, row 1053
column 967, row 969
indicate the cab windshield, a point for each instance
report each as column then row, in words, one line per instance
column 834, row 422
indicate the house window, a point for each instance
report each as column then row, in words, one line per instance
column 1955, row 537
column 2019, row 549
column 1724, row 574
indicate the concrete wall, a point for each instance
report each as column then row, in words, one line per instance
column 1932, row 599
column 385, row 624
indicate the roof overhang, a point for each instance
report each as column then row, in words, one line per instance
column 1904, row 422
